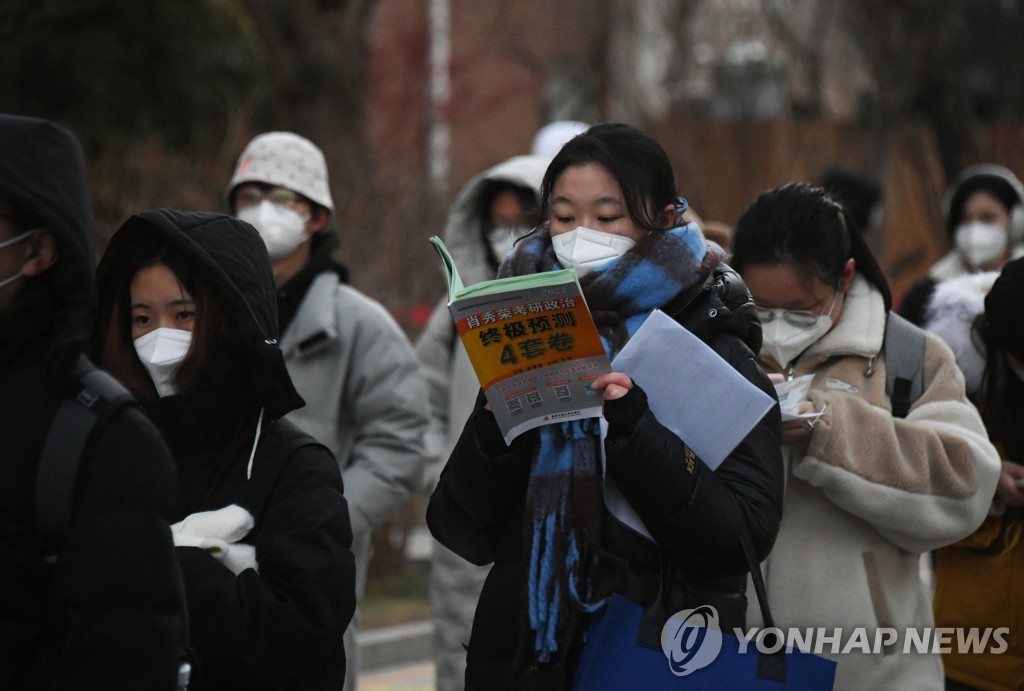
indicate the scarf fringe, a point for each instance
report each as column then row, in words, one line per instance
column 565, row 494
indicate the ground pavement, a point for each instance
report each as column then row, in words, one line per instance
column 416, row 677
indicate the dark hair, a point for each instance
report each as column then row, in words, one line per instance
column 801, row 225
column 996, row 180
column 635, row 160
column 526, row 197
column 20, row 217
column 859, row 193
column 998, row 332
column 210, row 338
column 1000, row 399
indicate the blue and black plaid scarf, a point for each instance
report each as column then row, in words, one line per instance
column 564, row 502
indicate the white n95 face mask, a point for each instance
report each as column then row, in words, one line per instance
column 784, row 341
column 980, row 243
column 161, row 351
column 585, row 249
column 281, row 228
column 502, row 239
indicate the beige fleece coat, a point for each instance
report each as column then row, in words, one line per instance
column 871, row 494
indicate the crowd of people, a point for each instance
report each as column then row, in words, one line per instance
column 202, row 430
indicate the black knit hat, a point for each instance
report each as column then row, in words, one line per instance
column 1004, row 309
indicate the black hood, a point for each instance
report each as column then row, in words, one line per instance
column 234, row 260
column 42, row 172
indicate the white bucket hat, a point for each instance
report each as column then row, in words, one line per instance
column 287, row 160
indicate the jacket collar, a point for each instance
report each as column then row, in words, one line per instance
column 315, row 325
column 860, row 329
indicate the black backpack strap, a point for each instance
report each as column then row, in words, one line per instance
column 93, row 399
column 94, row 396
column 904, row 363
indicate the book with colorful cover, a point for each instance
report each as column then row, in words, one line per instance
column 533, row 344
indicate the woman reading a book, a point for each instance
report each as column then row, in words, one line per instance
column 536, row 509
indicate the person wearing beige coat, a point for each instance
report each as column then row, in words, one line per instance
column 866, row 493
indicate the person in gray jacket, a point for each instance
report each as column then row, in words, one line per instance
column 490, row 213
column 346, row 355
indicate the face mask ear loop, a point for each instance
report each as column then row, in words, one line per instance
column 255, row 443
column 16, row 239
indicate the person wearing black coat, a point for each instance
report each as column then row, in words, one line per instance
column 98, row 605
column 612, row 214
column 188, row 321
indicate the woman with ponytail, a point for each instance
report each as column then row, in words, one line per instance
column 867, row 493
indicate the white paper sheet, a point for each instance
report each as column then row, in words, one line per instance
column 690, row 389
column 791, row 394
column 614, row 500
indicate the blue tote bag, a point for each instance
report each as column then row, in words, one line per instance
column 701, row 656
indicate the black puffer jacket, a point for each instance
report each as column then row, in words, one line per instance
column 106, row 614
column 280, row 627
column 696, row 518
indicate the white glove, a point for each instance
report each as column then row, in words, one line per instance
column 218, row 532
column 229, row 524
column 239, row 557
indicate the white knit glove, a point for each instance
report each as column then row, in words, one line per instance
column 218, row 532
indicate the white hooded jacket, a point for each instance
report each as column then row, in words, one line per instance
column 451, row 382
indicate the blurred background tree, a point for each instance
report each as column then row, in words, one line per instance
column 119, row 70
column 409, row 98
column 157, row 93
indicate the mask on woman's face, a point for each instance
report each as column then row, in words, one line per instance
column 787, row 333
column 281, row 228
column 161, row 352
column 503, row 238
column 585, row 249
column 980, row 243
column 784, row 341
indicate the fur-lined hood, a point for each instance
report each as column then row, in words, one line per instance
column 463, row 234
column 954, row 306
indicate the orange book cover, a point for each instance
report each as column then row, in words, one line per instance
column 533, row 344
